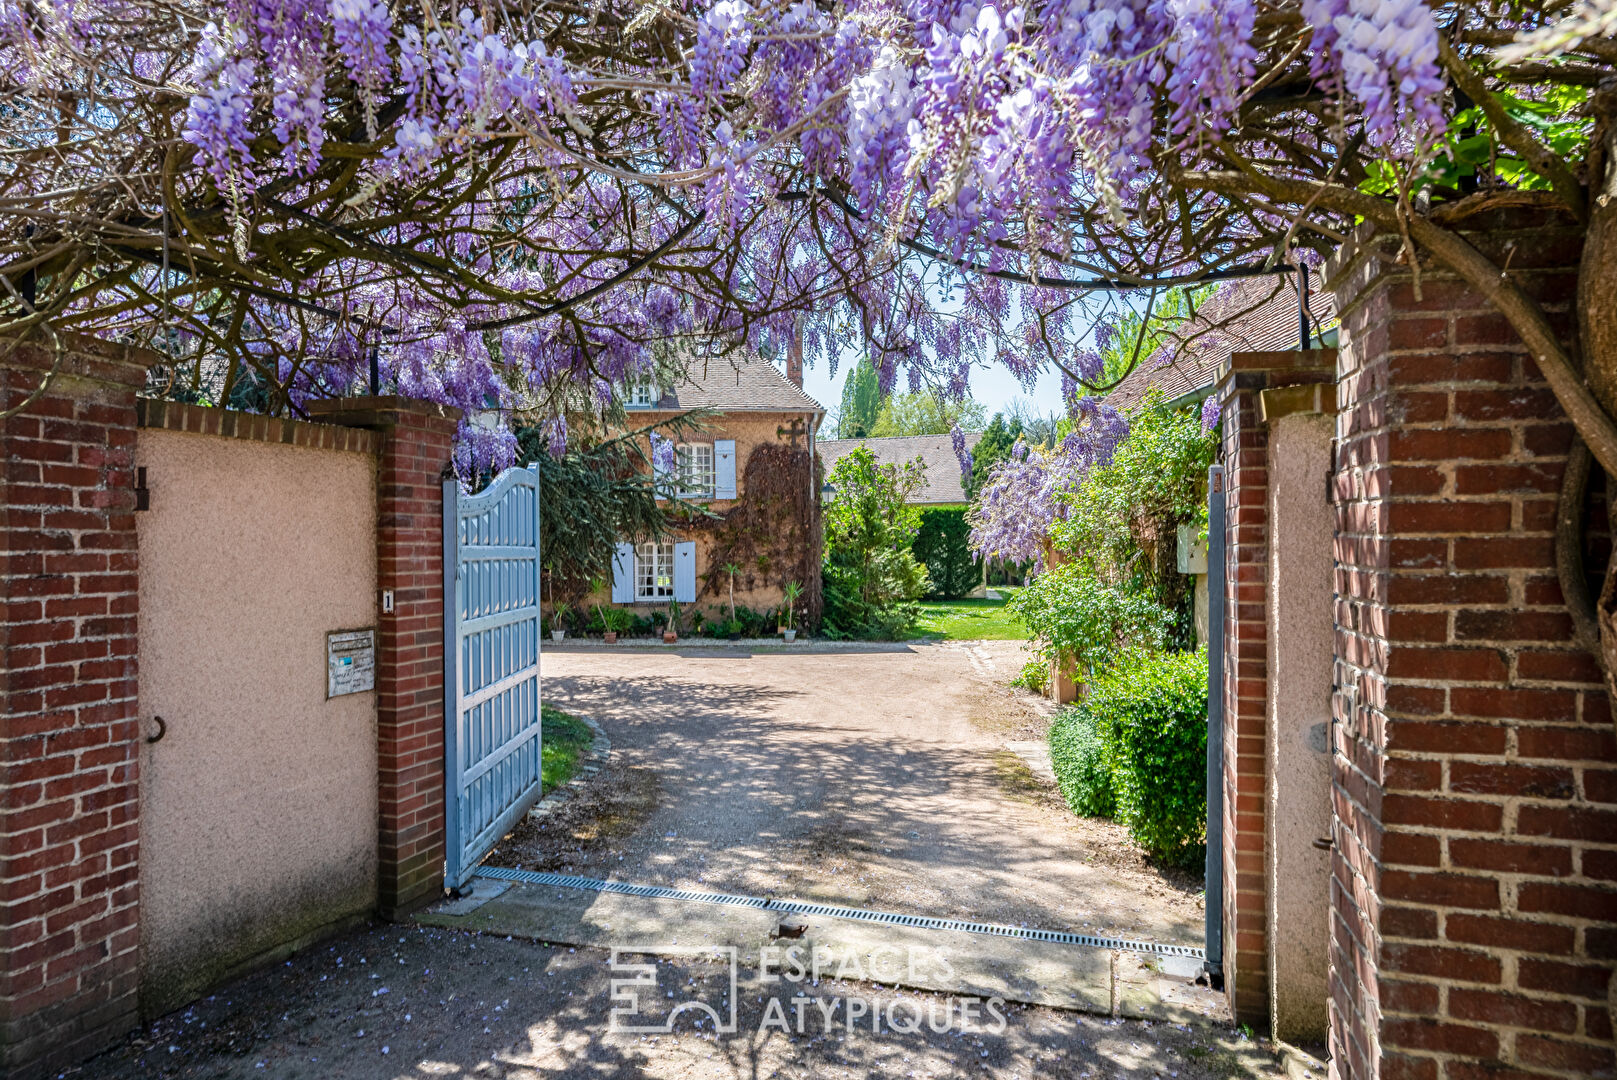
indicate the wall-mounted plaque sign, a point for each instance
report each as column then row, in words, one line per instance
column 350, row 662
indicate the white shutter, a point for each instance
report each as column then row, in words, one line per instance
column 685, row 572
column 724, row 468
column 623, row 574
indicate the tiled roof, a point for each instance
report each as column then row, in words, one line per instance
column 943, row 481
column 1245, row 315
column 737, row 383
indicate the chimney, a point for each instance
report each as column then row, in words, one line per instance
column 794, row 354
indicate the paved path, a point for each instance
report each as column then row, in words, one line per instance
column 872, row 777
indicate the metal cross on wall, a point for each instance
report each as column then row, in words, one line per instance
column 795, row 430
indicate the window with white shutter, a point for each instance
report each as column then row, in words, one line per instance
column 654, row 570
column 696, row 470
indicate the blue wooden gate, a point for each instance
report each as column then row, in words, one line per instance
column 491, row 665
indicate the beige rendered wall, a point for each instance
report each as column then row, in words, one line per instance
column 258, row 808
column 1301, row 641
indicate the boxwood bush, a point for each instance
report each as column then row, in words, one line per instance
column 1078, row 752
column 1135, row 749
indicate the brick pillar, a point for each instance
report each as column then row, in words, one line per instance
column 1246, row 664
column 1474, row 787
column 416, row 451
column 69, row 794
column 794, row 354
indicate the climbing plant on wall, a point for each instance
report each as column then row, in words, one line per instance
column 772, row 533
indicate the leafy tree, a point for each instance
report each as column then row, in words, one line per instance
column 1137, row 334
column 993, row 448
column 871, row 576
column 927, row 413
column 861, row 402
column 1122, row 524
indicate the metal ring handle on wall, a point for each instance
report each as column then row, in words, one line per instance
column 162, row 729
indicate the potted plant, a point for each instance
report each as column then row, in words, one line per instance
column 790, row 594
column 558, row 621
column 733, row 628
column 671, row 627
column 613, row 622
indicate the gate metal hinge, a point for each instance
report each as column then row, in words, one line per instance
column 143, row 497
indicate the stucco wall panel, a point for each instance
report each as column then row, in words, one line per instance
column 1301, row 639
column 259, row 806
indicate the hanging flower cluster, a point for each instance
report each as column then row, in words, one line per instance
column 606, row 193
column 1027, row 492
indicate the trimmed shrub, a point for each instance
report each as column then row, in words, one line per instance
column 1078, row 754
column 1143, row 724
column 943, row 545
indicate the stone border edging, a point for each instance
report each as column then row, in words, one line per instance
column 594, row 761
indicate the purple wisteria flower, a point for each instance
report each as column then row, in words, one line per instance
column 962, row 453
column 1027, row 492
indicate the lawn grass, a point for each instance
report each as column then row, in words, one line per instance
column 566, row 740
column 970, row 620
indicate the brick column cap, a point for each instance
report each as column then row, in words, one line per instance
column 1247, row 372
column 384, row 411
column 114, row 362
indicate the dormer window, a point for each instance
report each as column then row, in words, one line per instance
column 642, row 395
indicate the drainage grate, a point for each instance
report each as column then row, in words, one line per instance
column 799, row 907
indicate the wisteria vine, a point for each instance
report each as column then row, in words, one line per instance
column 518, row 209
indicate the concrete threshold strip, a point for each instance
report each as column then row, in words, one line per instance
column 1108, row 976
column 801, row 907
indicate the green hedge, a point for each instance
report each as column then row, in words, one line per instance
column 1135, row 749
column 943, row 545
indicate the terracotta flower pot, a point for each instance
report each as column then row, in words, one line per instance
column 611, row 637
column 669, row 637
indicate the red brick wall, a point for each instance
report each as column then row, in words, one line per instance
column 1475, row 779
column 1245, row 690
column 69, row 884
column 416, row 449
column 1245, row 454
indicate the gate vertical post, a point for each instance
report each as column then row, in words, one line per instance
column 454, row 767
column 1214, row 931
column 417, row 447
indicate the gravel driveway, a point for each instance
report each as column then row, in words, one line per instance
column 869, row 776
column 866, row 775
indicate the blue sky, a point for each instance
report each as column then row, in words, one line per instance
column 994, row 387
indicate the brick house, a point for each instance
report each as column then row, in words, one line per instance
column 1256, row 314
column 748, row 463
